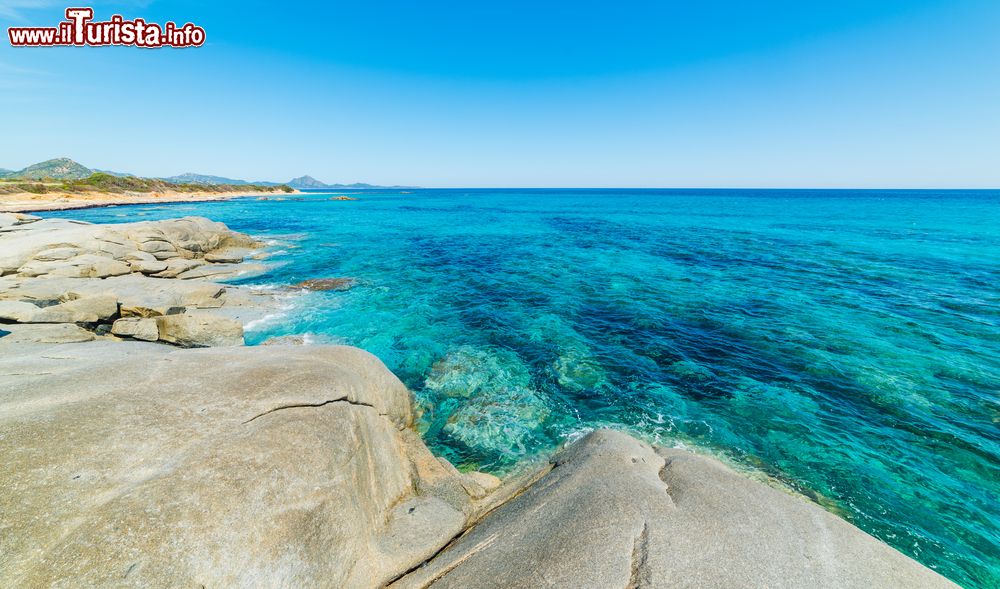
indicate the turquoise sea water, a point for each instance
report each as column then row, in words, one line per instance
column 844, row 342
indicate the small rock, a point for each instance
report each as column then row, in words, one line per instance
column 176, row 266
column 148, row 267
column 226, row 256
column 154, row 246
column 285, row 340
column 115, row 250
column 323, row 284
column 56, row 254
column 220, row 271
column 209, row 296
column 484, row 480
column 12, row 219
column 136, row 328
column 17, row 311
column 199, row 331
column 139, row 256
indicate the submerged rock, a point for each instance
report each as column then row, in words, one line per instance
column 469, row 371
column 325, row 284
column 492, row 408
column 504, row 421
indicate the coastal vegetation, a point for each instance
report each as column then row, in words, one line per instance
column 104, row 182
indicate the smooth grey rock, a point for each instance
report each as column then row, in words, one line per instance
column 136, row 328
column 81, row 266
column 57, row 253
column 612, row 512
column 155, row 246
column 177, row 265
column 199, row 331
column 88, row 309
column 139, row 256
column 16, row 336
column 226, row 256
column 18, row 311
column 148, row 267
column 139, row 465
column 220, row 271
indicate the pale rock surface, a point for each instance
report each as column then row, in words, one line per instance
column 87, row 309
column 58, row 271
column 140, row 465
column 220, row 271
column 198, row 331
column 227, row 256
column 177, row 265
column 148, row 266
column 18, row 312
column 136, row 328
column 612, row 512
column 81, row 266
column 15, row 336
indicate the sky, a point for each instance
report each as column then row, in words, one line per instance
column 714, row 93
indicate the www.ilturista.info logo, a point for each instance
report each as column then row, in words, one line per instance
column 79, row 29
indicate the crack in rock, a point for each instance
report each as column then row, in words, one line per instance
column 302, row 405
column 640, row 556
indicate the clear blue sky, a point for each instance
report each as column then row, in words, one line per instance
column 854, row 93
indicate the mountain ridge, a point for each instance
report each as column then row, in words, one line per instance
column 64, row 168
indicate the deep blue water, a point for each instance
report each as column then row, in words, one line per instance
column 846, row 343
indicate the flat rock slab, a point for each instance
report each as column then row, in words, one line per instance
column 55, row 333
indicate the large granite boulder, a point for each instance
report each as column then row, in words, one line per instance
column 613, row 512
column 140, row 465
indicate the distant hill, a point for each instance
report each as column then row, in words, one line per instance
column 67, row 169
column 310, row 183
column 115, row 174
column 57, row 169
column 192, row 178
column 306, row 182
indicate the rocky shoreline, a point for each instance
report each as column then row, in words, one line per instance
column 64, row 281
column 131, row 463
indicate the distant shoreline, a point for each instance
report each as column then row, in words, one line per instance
column 26, row 202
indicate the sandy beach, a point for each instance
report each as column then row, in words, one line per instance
column 26, row 202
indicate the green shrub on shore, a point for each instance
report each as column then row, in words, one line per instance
column 101, row 182
column 18, row 187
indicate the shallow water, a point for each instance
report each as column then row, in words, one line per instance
column 844, row 342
